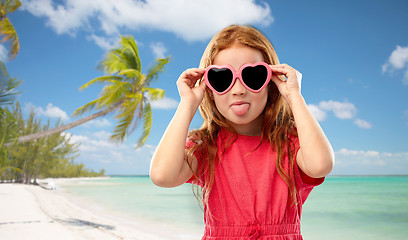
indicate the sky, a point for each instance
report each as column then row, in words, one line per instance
column 353, row 56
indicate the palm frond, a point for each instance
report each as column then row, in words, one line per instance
column 113, row 93
column 125, row 56
column 154, row 93
column 8, row 92
column 127, row 86
column 4, row 74
column 136, row 95
column 9, row 6
column 113, row 62
column 131, row 73
column 137, row 116
column 110, row 95
column 157, row 68
column 147, row 125
column 130, row 52
column 9, row 34
column 86, row 108
column 7, row 86
column 130, row 60
column 126, row 117
column 102, row 79
column 9, row 129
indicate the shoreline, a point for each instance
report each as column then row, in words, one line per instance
column 32, row 212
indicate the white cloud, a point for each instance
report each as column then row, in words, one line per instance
column 3, row 53
column 50, row 111
column 318, row 113
column 362, row 123
column 92, row 143
column 405, row 115
column 342, row 110
column 398, row 60
column 66, row 18
column 159, row 50
column 98, row 123
column 96, row 151
column 103, row 135
column 165, row 103
column 384, row 67
column 105, row 43
column 360, row 153
column 399, row 57
column 190, row 19
column 370, row 162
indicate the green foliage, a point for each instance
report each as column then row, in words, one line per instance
column 127, row 88
column 7, row 30
column 8, row 87
column 8, row 129
column 51, row 156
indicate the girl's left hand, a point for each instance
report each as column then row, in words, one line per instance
column 291, row 85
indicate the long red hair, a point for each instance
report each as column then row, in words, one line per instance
column 278, row 123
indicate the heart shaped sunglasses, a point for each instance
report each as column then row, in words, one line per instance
column 254, row 77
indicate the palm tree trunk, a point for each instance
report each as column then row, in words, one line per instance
column 65, row 127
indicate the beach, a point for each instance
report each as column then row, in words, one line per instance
column 31, row 212
column 132, row 207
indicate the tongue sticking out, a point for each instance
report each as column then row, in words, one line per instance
column 240, row 109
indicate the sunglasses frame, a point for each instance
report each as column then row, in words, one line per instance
column 238, row 75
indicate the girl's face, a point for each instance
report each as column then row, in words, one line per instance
column 241, row 107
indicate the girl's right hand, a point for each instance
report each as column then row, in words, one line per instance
column 168, row 166
column 188, row 90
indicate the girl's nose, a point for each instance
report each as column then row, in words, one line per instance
column 238, row 88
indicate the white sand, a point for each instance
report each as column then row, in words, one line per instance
column 30, row 212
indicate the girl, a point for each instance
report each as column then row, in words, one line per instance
column 259, row 152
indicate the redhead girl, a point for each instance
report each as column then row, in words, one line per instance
column 259, row 152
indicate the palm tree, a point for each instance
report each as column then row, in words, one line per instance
column 8, row 87
column 8, row 94
column 127, row 90
column 6, row 28
column 8, row 125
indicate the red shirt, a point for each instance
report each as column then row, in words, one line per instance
column 249, row 199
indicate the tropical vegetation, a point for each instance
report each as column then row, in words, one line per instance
column 8, row 130
column 52, row 156
column 30, row 149
column 127, row 92
column 46, row 157
column 7, row 30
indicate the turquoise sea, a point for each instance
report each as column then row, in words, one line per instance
column 342, row 208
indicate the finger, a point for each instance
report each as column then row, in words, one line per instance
column 282, row 65
column 287, row 71
column 278, row 80
column 299, row 77
column 281, row 69
column 190, row 76
column 194, row 71
column 202, row 85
